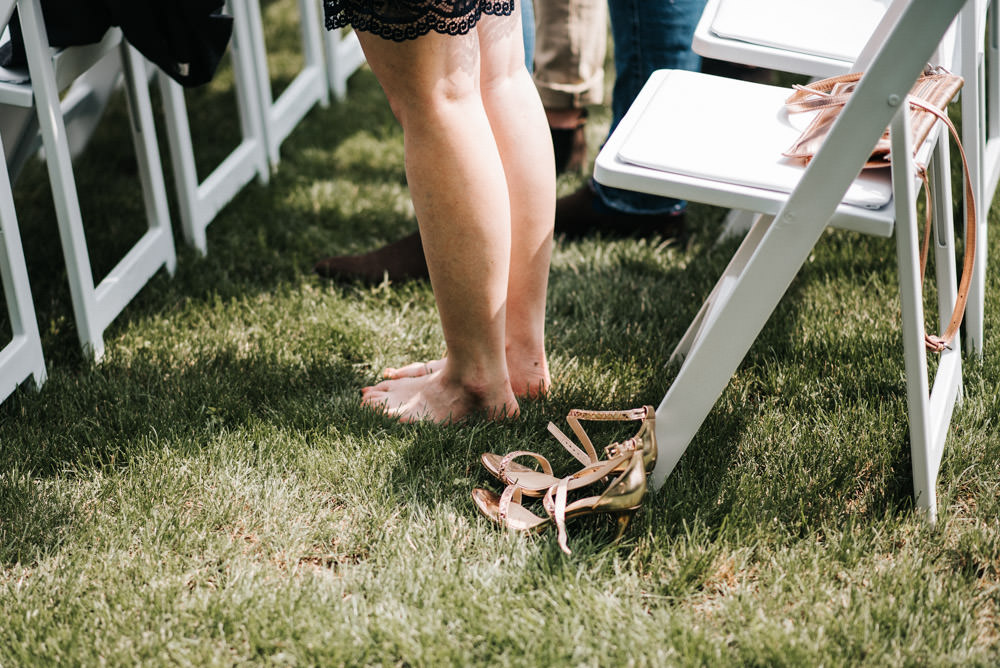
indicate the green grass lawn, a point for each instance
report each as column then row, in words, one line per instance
column 212, row 493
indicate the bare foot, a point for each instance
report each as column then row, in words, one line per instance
column 432, row 397
column 529, row 378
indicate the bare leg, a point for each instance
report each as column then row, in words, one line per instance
column 521, row 131
column 457, row 182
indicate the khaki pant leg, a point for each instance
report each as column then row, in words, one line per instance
column 570, row 46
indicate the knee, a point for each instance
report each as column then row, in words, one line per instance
column 498, row 81
column 440, row 98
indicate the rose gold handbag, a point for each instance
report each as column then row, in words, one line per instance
column 928, row 101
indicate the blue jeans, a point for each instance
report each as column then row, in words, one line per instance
column 648, row 35
column 528, row 30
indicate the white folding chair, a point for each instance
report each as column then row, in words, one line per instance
column 343, row 57
column 307, row 89
column 52, row 71
column 22, row 357
column 820, row 38
column 687, row 122
column 199, row 200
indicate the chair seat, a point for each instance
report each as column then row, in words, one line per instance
column 839, row 29
column 662, row 147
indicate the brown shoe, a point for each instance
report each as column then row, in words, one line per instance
column 570, row 146
column 399, row 261
column 577, row 215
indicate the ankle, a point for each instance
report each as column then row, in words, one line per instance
column 484, row 391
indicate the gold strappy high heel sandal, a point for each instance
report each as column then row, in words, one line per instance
column 534, row 483
column 621, row 498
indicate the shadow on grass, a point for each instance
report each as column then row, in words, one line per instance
column 103, row 415
column 267, row 236
column 35, row 519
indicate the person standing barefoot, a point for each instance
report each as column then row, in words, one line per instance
column 479, row 165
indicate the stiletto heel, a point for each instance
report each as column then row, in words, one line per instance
column 623, row 521
column 534, row 483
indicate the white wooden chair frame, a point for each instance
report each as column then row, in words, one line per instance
column 781, row 240
column 307, row 89
column 343, row 57
column 94, row 306
column 200, row 200
column 22, row 357
column 980, row 64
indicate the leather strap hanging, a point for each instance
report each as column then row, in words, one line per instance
column 927, row 102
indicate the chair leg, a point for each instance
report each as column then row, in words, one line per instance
column 310, row 86
column 59, row 163
column 200, row 202
column 929, row 413
column 343, row 57
column 248, row 94
column 154, row 188
column 742, row 302
column 974, row 138
column 96, row 306
column 22, row 356
column 737, row 224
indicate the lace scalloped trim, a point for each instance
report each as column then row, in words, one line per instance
column 401, row 20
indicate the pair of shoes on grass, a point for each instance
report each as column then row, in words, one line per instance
column 613, row 486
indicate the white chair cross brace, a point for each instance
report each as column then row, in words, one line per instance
column 794, row 218
column 308, row 88
column 51, row 71
column 22, row 357
column 200, row 200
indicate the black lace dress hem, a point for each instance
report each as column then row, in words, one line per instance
column 401, row 20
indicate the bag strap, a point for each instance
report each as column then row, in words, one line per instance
column 932, row 342
column 816, row 97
